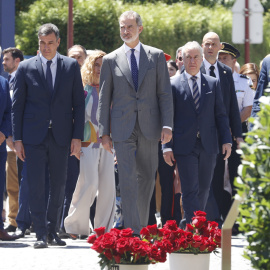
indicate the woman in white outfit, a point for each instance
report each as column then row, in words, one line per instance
column 96, row 164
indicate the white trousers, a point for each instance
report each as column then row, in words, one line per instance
column 96, row 178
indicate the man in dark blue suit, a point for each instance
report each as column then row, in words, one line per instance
column 264, row 80
column 199, row 114
column 5, row 132
column 47, row 120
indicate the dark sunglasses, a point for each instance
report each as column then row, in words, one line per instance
column 180, row 58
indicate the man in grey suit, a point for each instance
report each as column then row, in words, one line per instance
column 135, row 86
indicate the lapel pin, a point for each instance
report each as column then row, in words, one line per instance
column 224, row 71
column 203, row 84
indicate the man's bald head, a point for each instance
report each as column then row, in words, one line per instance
column 211, row 45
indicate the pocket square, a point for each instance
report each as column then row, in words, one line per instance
column 209, row 93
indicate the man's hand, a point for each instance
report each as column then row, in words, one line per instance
column 226, row 149
column 2, row 137
column 107, row 143
column 166, row 135
column 75, row 148
column 19, row 150
column 169, row 157
column 238, row 141
column 10, row 143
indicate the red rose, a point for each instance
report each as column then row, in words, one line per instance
column 97, row 247
column 167, row 246
column 198, row 221
column 189, row 228
column 211, row 245
column 199, row 213
column 117, row 258
column 100, row 231
column 108, row 241
column 126, row 232
column 189, row 237
column 122, row 245
column 171, row 225
column 217, row 237
column 153, row 230
column 145, row 233
column 108, row 254
column 212, row 224
column 205, row 231
column 204, row 244
column 197, row 241
column 162, row 256
column 91, row 239
column 115, row 232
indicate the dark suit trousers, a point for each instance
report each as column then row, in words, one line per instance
column 137, row 165
column 3, row 158
column 73, row 171
column 196, row 171
column 37, row 157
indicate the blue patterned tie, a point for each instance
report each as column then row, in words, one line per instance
column 196, row 94
column 134, row 69
column 49, row 76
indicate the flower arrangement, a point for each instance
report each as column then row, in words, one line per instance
column 201, row 236
column 120, row 246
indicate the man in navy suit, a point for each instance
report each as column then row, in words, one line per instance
column 47, row 120
column 199, row 114
column 264, row 80
column 5, row 132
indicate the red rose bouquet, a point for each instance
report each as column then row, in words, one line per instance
column 119, row 246
column 201, row 236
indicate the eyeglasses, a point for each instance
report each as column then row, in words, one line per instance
column 180, row 58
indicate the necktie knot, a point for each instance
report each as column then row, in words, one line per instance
column 49, row 63
column 194, row 78
column 212, row 73
column 132, row 51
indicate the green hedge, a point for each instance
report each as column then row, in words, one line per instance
column 254, row 186
column 165, row 26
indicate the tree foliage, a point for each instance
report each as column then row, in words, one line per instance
column 165, row 26
column 254, row 185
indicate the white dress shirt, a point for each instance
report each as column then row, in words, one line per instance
column 53, row 66
column 190, row 81
column 207, row 66
column 136, row 53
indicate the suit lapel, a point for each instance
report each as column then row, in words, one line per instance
column 58, row 72
column 222, row 77
column 204, row 88
column 41, row 73
column 121, row 61
column 184, row 82
column 144, row 64
column 203, row 68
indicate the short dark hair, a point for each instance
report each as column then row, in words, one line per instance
column 78, row 46
column 47, row 29
column 15, row 53
column 172, row 63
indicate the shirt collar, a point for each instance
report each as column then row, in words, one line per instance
column 208, row 65
column 12, row 75
column 137, row 48
column 44, row 60
column 198, row 75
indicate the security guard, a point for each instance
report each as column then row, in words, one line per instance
column 228, row 55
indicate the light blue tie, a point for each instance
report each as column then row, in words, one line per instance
column 196, row 94
column 134, row 69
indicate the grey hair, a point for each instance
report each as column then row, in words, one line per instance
column 47, row 29
column 192, row 45
column 131, row 15
column 178, row 50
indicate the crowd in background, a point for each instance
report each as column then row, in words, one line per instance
column 86, row 198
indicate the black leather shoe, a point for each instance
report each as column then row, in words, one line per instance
column 19, row 233
column 10, row 228
column 41, row 242
column 53, row 239
column 4, row 236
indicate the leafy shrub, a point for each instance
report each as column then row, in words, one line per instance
column 254, row 185
column 166, row 26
